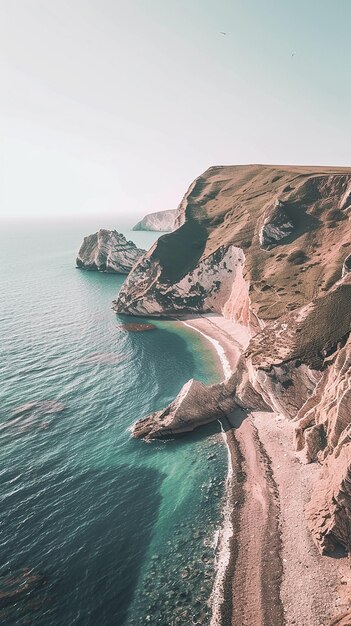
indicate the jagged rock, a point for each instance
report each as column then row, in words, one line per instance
column 323, row 432
column 161, row 221
column 328, row 409
column 329, row 510
column 108, row 251
column 195, row 405
column 276, row 226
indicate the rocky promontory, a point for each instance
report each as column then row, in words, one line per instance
column 161, row 221
column 268, row 247
column 108, row 251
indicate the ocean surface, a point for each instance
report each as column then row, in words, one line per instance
column 96, row 528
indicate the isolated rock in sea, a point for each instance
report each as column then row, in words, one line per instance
column 280, row 267
column 161, row 221
column 108, row 251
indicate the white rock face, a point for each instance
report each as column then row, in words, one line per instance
column 276, row 226
column 161, row 221
column 108, row 251
column 346, row 268
column 196, row 404
column 216, row 284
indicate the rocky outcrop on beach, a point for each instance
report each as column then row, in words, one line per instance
column 268, row 247
column 108, row 251
column 161, row 221
column 192, row 405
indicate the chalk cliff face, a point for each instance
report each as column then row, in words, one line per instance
column 269, row 247
column 161, row 221
column 108, row 251
column 207, row 287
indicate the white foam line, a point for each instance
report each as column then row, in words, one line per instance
column 227, row 370
column 223, row 550
column 223, row 535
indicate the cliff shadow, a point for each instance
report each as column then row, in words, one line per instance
column 234, row 419
column 179, row 252
column 303, row 221
column 84, row 533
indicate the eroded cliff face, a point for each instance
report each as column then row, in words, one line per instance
column 215, row 284
column 323, row 433
column 269, row 247
column 161, row 221
column 108, row 251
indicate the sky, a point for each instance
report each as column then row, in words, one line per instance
column 113, row 107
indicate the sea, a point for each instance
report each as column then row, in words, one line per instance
column 97, row 528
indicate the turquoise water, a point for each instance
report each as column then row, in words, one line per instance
column 96, row 528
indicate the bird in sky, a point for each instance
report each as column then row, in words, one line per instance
column 293, row 54
column 222, row 33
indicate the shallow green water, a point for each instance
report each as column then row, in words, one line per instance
column 97, row 528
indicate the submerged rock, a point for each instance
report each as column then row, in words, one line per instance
column 136, row 328
column 14, row 586
column 40, row 407
column 108, row 251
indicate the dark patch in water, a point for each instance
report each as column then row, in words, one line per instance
column 105, row 358
column 86, row 532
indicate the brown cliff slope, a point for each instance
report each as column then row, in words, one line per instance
column 242, row 206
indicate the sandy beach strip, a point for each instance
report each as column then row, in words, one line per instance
column 228, row 338
column 269, row 572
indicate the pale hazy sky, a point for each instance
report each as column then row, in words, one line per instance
column 111, row 106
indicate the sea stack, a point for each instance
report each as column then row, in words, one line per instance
column 267, row 247
column 108, row 251
column 161, row 221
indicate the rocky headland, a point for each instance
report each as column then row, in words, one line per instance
column 268, row 248
column 161, row 221
column 108, row 251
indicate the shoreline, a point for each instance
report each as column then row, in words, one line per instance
column 229, row 339
column 268, row 570
column 226, row 548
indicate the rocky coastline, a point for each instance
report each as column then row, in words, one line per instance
column 267, row 249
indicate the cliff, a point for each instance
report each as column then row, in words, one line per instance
column 108, row 251
column 161, row 221
column 268, row 247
